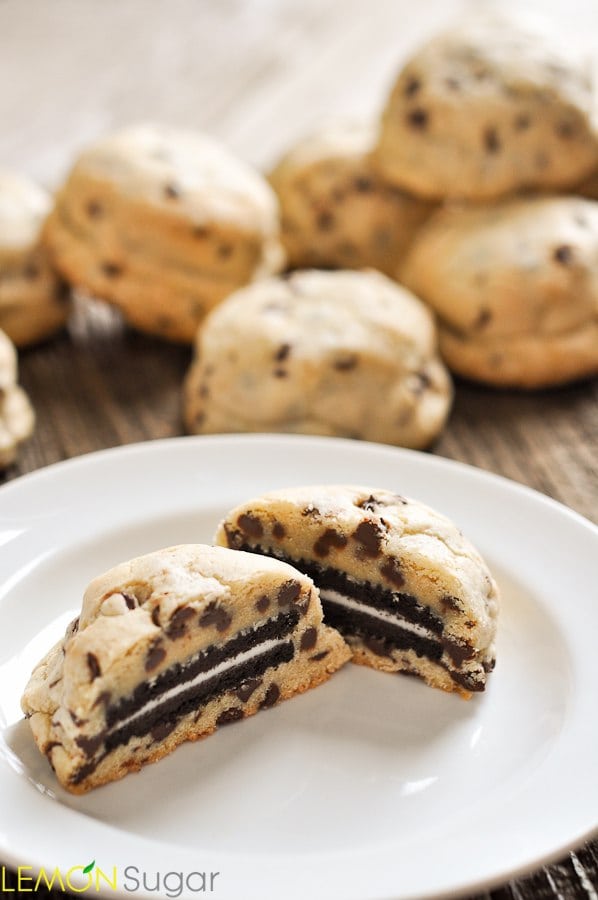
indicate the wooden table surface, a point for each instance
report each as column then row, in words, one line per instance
column 256, row 73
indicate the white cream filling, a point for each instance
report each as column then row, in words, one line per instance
column 199, row 678
column 383, row 614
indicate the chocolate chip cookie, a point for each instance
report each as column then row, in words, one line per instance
column 34, row 302
column 340, row 353
column 163, row 223
column 336, row 211
column 169, row 647
column 404, row 587
column 515, row 287
column 486, row 109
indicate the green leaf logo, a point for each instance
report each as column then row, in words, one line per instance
column 88, row 868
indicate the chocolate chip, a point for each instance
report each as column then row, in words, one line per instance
column 330, row 538
column 94, row 209
column 391, row 570
column 371, row 503
column 563, row 255
column 162, row 730
column 565, row 130
column 412, row 86
column 309, row 638
column 164, row 322
column 468, row 680
column 369, row 537
column 363, row 184
column 278, row 531
column 272, row 695
column 280, row 373
column 94, row 666
column 483, row 318
column 346, row 363
column 421, row 381
column 111, row 269
column 156, row 615
column 458, row 650
column 325, row 220
column 479, row 71
column 311, row 510
column 171, row 191
column 200, row 232
column 50, row 746
column 103, row 700
column 491, row 140
column 377, row 645
column 225, row 251
column 234, row 538
column 302, row 603
column 90, row 745
column 522, row 122
column 227, row 716
column 177, row 627
column 130, row 601
column 155, row 655
column 247, row 688
column 319, row 656
column 262, row 603
column 78, row 722
column 288, row 593
column 215, row 615
column 450, row 603
column 251, row 525
column 31, row 271
column 418, row 119
column 470, row 624
column 282, row 352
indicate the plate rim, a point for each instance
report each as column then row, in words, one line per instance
column 433, row 458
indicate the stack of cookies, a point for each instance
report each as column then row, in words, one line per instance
column 480, row 114
column 462, row 232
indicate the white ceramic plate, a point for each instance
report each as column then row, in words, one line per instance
column 370, row 787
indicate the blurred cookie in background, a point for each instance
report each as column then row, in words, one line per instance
column 515, row 287
column 488, row 108
column 336, row 211
column 16, row 414
column 34, row 302
column 348, row 354
column 163, row 223
column 589, row 187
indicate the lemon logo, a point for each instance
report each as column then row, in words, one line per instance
column 28, row 883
